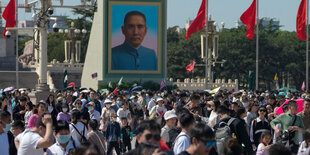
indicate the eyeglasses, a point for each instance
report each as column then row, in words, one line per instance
column 262, row 110
column 150, row 136
column 211, row 143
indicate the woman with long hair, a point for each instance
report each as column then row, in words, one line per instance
column 29, row 108
column 38, row 111
column 51, row 107
column 259, row 125
column 213, row 118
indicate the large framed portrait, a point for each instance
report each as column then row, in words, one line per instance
column 135, row 37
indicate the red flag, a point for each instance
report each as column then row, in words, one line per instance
column 199, row 22
column 301, row 20
column 190, row 67
column 9, row 15
column 71, row 84
column 115, row 91
column 248, row 18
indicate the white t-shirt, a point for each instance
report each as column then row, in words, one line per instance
column 160, row 110
column 181, row 143
column 75, row 135
column 27, row 116
column 28, row 143
column 213, row 119
column 121, row 113
column 4, row 144
column 57, row 149
column 151, row 104
column 260, row 150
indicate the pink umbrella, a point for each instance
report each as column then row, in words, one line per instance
column 299, row 103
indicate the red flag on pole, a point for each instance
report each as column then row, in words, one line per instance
column 115, row 91
column 9, row 15
column 248, row 18
column 199, row 22
column 190, row 67
column 301, row 20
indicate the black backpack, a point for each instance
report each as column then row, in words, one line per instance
column 222, row 134
column 173, row 134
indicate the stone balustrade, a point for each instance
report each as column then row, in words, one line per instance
column 200, row 84
column 59, row 67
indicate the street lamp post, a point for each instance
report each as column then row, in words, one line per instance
column 72, row 55
column 42, row 85
column 223, row 25
column 210, row 44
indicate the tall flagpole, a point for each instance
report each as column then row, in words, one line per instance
column 307, row 47
column 16, row 46
column 206, row 51
column 257, row 37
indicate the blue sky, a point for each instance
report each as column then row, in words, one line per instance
column 227, row 11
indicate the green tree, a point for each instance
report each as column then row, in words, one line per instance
column 279, row 51
column 56, row 46
column 181, row 52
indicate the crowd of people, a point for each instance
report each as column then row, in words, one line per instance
column 84, row 121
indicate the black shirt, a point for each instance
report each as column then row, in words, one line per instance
column 125, row 131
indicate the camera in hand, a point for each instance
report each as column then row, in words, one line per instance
column 287, row 136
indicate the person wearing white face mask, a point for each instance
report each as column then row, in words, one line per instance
column 93, row 113
column 64, row 116
column 105, row 115
column 64, row 142
column 245, row 103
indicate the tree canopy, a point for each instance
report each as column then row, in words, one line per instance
column 279, row 51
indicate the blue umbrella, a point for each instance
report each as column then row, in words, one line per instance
column 127, row 92
column 136, row 87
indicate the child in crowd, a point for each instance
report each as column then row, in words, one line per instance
column 263, row 147
column 28, row 107
column 126, row 135
column 113, row 135
column 63, row 115
column 304, row 148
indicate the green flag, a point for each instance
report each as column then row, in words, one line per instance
column 65, row 80
column 120, row 81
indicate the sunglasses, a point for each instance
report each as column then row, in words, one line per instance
column 149, row 145
column 150, row 136
column 211, row 143
column 262, row 110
